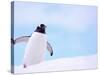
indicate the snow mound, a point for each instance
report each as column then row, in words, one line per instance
column 61, row 64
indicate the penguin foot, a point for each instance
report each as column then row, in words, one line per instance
column 24, row 66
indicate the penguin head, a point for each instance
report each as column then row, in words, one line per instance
column 41, row 28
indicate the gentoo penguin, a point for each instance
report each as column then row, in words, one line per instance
column 36, row 46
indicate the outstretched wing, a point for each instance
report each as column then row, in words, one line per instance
column 50, row 49
column 20, row 39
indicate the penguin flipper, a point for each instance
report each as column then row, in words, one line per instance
column 12, row 41
column 50, row 49
column 20, row 39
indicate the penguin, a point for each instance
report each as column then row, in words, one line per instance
column 36, row 44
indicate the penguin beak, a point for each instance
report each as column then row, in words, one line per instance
column 45, row 27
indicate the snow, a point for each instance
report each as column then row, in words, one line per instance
column 61, row 64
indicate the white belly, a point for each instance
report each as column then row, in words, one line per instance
column 35, row 49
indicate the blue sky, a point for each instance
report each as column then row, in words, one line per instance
column 71, row 29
